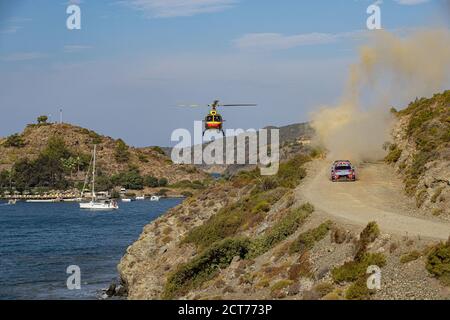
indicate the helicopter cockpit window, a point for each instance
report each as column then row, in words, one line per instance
column 218, row 118
column 209, row 118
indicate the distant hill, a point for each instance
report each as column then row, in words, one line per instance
column 293, row 139
column 113, row 156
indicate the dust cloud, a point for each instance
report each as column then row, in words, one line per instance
column 390, row 70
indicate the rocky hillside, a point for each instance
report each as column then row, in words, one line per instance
column 252, row 237
column 421, row 152
column 113, row 156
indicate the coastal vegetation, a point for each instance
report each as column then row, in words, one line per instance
column 220, row 253
column 51, row 158
column 221, row 238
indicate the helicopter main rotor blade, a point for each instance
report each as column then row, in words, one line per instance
column 238, row 105
column 189, row 105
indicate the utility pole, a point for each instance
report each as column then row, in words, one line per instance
column 61, row 116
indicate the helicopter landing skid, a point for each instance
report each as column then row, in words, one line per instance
column 223, row 132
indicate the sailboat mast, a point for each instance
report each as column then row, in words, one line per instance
column 93, row 173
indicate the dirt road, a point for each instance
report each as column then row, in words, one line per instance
column 377, row 196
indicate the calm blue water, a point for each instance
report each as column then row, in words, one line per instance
column 38, row 241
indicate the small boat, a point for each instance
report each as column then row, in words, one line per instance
column 99, row 205
column 140, row 198
column 155, row 198
column 95, row 204
column 126, row 200
column 12, row 201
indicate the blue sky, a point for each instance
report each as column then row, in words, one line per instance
column 133, row 62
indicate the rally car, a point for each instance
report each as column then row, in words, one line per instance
column 343, row 170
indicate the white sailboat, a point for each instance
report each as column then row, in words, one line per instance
column 95, row 204
column 155, row 198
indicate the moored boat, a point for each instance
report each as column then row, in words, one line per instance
column 94, row 203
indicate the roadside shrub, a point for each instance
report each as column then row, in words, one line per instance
column 281, row 285
column 438, row 262
column 234, row 217
column 359, row 290
column 394, row 154
column 367, row 236
column 280, row 231
column 306, row 240
column 323, row 288
column 292, row 172
column 353, row 270
column 203, row 267
column 412, row 256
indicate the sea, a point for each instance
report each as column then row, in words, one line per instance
column 42, row 245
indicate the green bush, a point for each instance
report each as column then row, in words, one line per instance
column 438, row 262
column 203, row 267
column 142, row 158
column 232, row 218
column 14, row 141
column 95, row 137
column 47, row 170
column 130, row 179
column 394, row 154
column 292, row 172
column 306, row 240
column 121, row 152
column 163, row 182
column 367, row 236
column 359, row 290
column 323, row 288
column 280, row 231
column 158, row 150
column 42, row 120
column 281, row 285
column 151, row 182
column 353, row 270
column 412, row 256
column 187, row 194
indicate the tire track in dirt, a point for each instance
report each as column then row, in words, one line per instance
column 376, row 196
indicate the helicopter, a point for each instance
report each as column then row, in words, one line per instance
column 213, row 120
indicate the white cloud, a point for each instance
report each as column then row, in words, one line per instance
column 178, row 8
column 22, row 56
column 277, row 41
column 411, row 2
